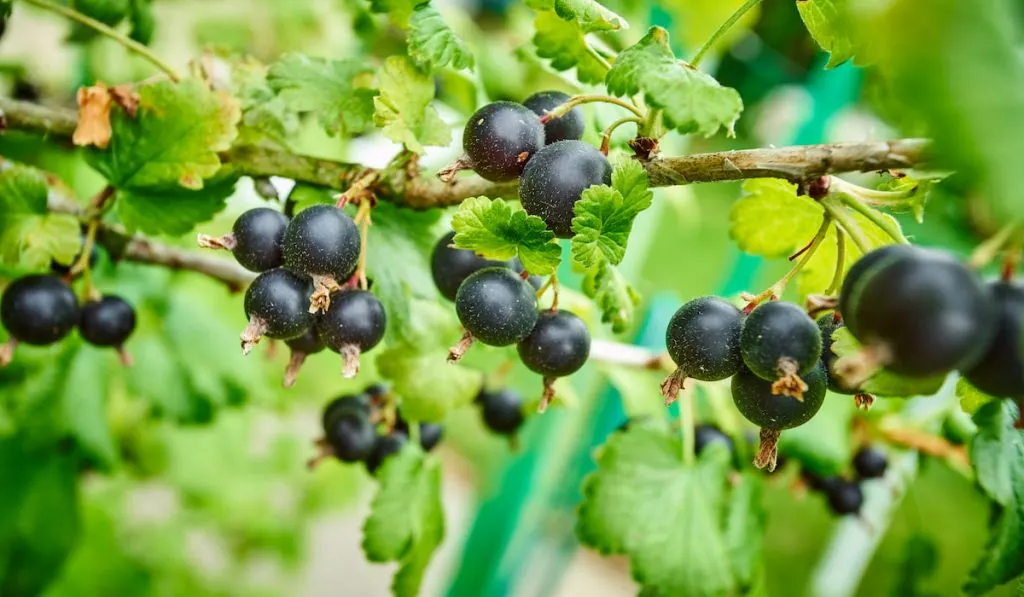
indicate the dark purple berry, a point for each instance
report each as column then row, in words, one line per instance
column 556, row 177
column 568, row 127
column 502, row 410
column 856, row 274
column 107, row 322
column 351, row 436
column 280, row 300
column 355, row 318
column 322, row 241
column 870, row 463
column 1000, row 372
column 496, row 306
column 703, row 338
column 38, row 309
column 258, row 234
column 450, row 266
column 705, row 435
column 499, row 139
column 558, row 345
column 779, row 338
column 844, row 496
column 343, row 406
column 754, row 399
column 308, row 343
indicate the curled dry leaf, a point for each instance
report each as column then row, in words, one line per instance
column 94, row 112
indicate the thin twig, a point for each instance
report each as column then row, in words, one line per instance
column 736, row 16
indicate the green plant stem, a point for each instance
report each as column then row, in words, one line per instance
column 606, row 136
column 598, row 57
column 987, row 250
column 835, row 208
column 113, row 34
column 890, row 227
column 736, row 16
column 686, row 427
column 779, row 287
column 650, row 124
column 579, row 100
column 837, row 278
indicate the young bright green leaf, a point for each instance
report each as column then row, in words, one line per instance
column 993, row 449
column 172, row 140
column 566, row 47
column 23, row 191
column 264, row 114
column 604, row 215
column 429, row 388
column 668, row 518
column 588, row 15
column 406, row 522
column 885, row 382
column 433, row 44
column 403, row 107
column 29, row 235
column 495, row 230
column 819, row 271
column 692, row 101
column 337, row 91
column 172, row 210
column 771, row 220
column 744, row 528
column 614, row 296
column 831, row 25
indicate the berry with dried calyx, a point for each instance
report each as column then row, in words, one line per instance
column 781, row 343
column 353, row 324
column 277, row 305
column 558, row 345
column 703, row 339
column 495, row 306
column 301, row 347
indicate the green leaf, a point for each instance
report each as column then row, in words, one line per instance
column 142, row 21
column 6, row 6
column 406, row 522
column 604, row 215
column 971, row 398
column 108, row 12
column 588, row 15
column 337, row 91
column 919, row 563
column 429, row 387
column 745, row 528
column 885, row 382
column 84, row 392
column 23, row 191
column 692, row 101
column 771, row 220
column 566, row 47
column 492, row 228
column 35, row 241
column 403, row 107
column 173, row 139
column 400, row 11
column 614, row 296
column 993, row 449
column 831, row 26
column 264, row 114
column 432, row 43
column 667, row 517
column 172, row 210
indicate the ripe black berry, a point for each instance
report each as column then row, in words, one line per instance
column 856, row 274
column 844, row 496
column 38, row 309
column 385, row 446
column 502, row 410
column 556, row 177
column 925, row 312
column 277, row 305
column 870, row 463
column 499, row 139
column 351, row 436
column 756, row 402
column 450, row 266
column 558, row 345
column 430, row 435
column 496, row 306
column 353, row 324
column 258, row 234
column 107, row 322
column 705, row 435
column 703, row 339
column 1001, row 371
column 343, row 406
column 568, row 127
column 780, row 343
column 828, row 325
column 322, row 241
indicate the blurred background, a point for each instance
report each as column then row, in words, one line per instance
column 214, row 499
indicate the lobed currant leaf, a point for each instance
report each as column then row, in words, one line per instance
column 433, row 44
column 771, row 220
column 403, row 107
column 829, row 23
column 604, row 215
column 588, row 15
column 428, row 392
column 264, row 113
column 29, row 235
column 993, row 449
column 691, row 101
column 885, row 382
column 495, row 230
column 566, row 47
column 172, row 210
column 615, row 297
column 337, row 91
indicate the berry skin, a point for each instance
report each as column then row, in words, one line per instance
column 558, row 345
column 351, row 436
column 777, row 335
column 828, row 325
column 705, row 435
column 499, row 139
column 356, row 317
column 38, row 310
column 856, row 274
column 450, row 267
column 344, row 406
column 107, row 322
column 870, row 463
column 258, row 235
column 568, row 127
column 756, row 402
column 308, row 343
column 1001, row 371
column 703, row 338
column 556, row 177
column 280, row 300
column 502, row 410
column 844, row 496
column 496, row 306
column 385, row 446
column 929, row 312
column 430, row 435
column 322, row 241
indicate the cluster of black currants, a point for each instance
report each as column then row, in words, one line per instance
column 845, row 495
column 41, row 310
column 921, row 312
column 355, row 430
column 305, row 292
column 774, row 356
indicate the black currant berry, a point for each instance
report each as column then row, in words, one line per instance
column 301, row 347
column 828, row 324
column 450, row 266
column 499, row 139
column 351, row 436
column 558, row 345
column 759, row 405
column 870, row 463
column 385, row 446
column 705, row 435
column 856, row 273
column 568, row 127
column 430, row 435
column 781, row 343
column 924, row 313
column 1001, row 371
column 496, row 306
column 322, row 241
column 38, row 309
column 277, row 305
column 502, row 410
column 107, row 322
column 376, row 391
column 844, row 496
column 344, row 406
column 258, row 235
column 353, row 324
column 703, row 339
column 556, row 177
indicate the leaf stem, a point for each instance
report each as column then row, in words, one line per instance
column 579, row 100
column 837, row 278
column 987, row 250
column 849, row 194
column 776, row 289
column 736, row 16
column 686, row 427
column 835, row 208
column 113, row 34
column 606, row 136
column 650, row 124
column 593, row 53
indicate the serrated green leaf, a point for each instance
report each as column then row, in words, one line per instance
column 604, row 215
column 433, row 44
column 744, row 528
column 406, row 522
column 830, row 24
column 587, row 15
column 492, row 228
column 403, row 107
column 771, row 220
column 23, row 191
column 172, row 210
column 615, row 297
column 971, row 398
column 400, row 11
column 172, row 140
column 691, row 101
column 668, row 518
column 429, row 387
column 337, row 91
column 566, row 47
column 264, row 114
column 29, row 235
column 993, row 449
column 885, row 382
